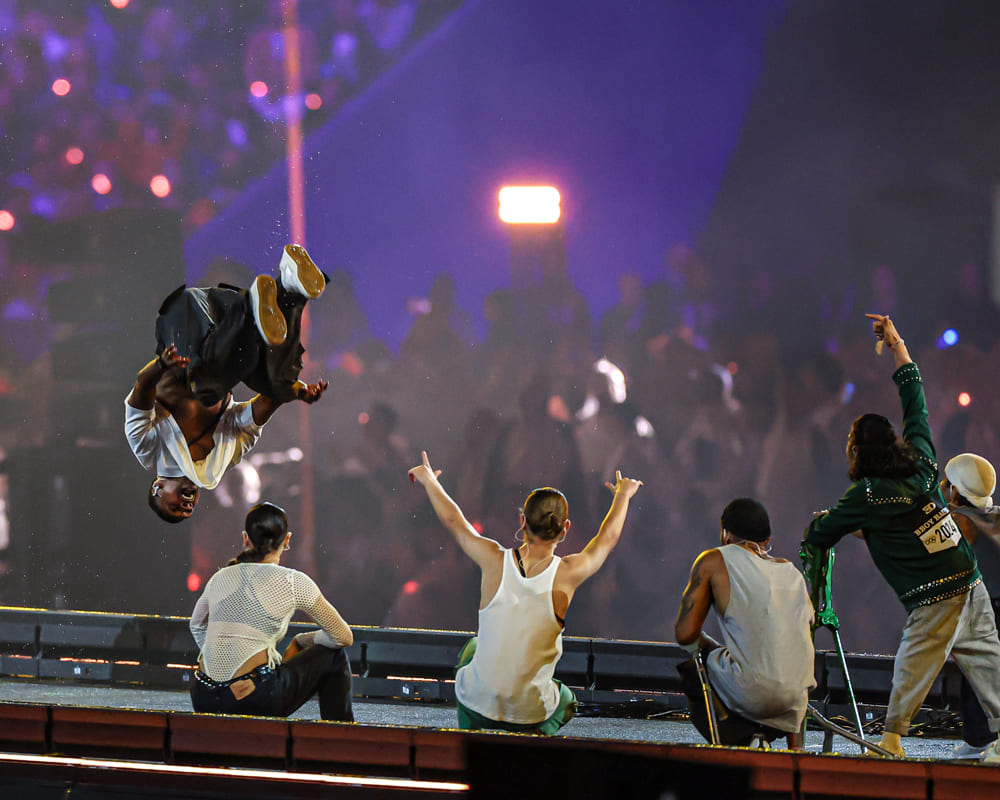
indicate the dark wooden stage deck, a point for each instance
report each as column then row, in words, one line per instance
column 96, row 706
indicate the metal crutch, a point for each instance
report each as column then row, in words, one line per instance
column 830, row 728
column 817, row 565
column 706, row 693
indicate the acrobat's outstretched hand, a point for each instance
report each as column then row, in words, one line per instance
column 310, row 392
column 170, row 358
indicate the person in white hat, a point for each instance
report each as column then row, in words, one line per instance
column 968, row 485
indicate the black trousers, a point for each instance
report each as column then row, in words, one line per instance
column 279, row 691
column 215, row 329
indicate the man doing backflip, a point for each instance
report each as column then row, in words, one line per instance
column 180, row 418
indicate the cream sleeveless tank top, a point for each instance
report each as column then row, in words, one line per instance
column 519, row 643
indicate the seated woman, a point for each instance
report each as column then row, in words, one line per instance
column 242, row 615
column 505, row 674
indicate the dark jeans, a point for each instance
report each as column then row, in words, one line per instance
column 216, row 330
column 281, row 690
column 975, row 726
column 733, row 729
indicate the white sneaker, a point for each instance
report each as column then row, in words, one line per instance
column 266, row 314
column 299, row 273
column 966, row 750
column 992, row 754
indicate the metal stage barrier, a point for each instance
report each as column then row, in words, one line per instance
column 395, row 664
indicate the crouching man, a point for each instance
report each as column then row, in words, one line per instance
column 762, row 674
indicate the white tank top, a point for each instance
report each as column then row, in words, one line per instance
column 765, row 671
column 520, row 641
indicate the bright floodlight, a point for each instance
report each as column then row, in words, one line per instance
column 538, row 205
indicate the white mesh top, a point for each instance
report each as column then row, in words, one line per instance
column 246, row 608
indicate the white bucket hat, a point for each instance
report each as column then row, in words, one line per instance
column 974, row 477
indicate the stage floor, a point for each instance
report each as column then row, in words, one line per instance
column 412, row 713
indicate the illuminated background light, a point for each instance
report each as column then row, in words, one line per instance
column 193, row 582
column 411, row 587
column 119, row 3
column 258, row 89
column 643, row 427
column 314, row 102
column 363, row 418
column 6, row 220
column 616, row 380
column 100, row 183
column 964, row 398
column 947, row 339
column 61, row 87
column 74, row 155
column 159, row 185
column 531, row 205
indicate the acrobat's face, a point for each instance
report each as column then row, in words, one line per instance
column 174, row 499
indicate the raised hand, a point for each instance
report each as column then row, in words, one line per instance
column 423, row 473
column 627, row 486
column 171, row 358
column 310, row 392
column 884, row 329
column 886, row 334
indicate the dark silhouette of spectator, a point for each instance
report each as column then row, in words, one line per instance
column 536, row 450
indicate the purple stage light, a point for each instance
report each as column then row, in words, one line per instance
column 237, row 133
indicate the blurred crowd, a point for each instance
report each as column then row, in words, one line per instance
column 703, row 392
column 706, row 389
column 189, row 90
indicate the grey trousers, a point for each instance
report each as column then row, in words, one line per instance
column 963, row 627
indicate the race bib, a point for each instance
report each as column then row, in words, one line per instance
column 934, row 526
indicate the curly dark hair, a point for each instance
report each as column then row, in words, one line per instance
column 877, row 452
